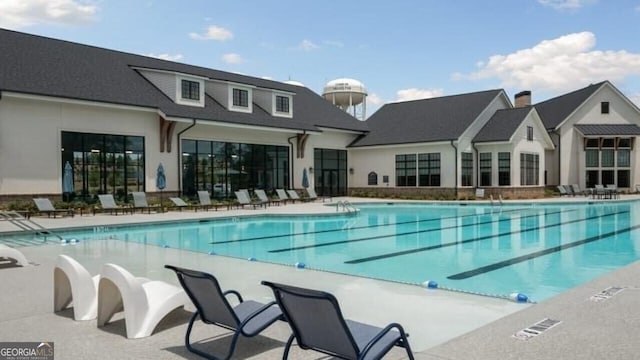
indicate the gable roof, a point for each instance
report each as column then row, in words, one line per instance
column 36, row 65
column 427, row 120
column 554, row 111
column 502, row 125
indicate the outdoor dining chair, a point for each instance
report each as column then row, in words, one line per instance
column 248, row 318
column 317, row 324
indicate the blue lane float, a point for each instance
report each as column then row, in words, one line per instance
column 69, row 241
column 519, row 297
column 430, row 284
column 211, row 252
column 166, row 246
column 300, row 265
column 252, row 259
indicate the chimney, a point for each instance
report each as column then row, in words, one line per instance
column 523, row 98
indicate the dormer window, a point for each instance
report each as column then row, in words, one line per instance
column 282, row 104
column 240, row 98
column 190, row 90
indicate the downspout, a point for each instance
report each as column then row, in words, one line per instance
column 555, row 131
column 291, row 161
column 455, row 162
column 180, row 155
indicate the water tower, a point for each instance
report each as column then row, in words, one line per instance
column 348, row 94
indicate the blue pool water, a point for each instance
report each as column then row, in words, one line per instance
column 538, row 250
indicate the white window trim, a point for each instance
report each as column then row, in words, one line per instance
column 249, row 108
column 180, row 100
column 274, row 107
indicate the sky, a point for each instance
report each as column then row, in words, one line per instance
column 400, row 50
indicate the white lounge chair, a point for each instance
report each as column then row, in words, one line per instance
column 7, row 252
column 140, row 202
column 282, row 195
column 312, row 196
column 205, row 200
column 293, row 195
column 264, row 198
column 145, row 302
column 108, row 203
column 243, row 199
column 73, row 285
column 45, row 206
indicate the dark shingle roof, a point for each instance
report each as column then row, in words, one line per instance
column 436, row 119
column 42, row 66
column 554, row 111
column 608, row 129
column 502, row 125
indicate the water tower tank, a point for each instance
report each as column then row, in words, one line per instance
column 347, row 94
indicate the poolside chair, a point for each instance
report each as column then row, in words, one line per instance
column 140, row 202
column 108, row 203
column 575, row 189
column 312, row 196
column 45, row 206
column 145, row 302
column 612, row 191
column 248, row 318
column 282, row 195
column 318, row 324
column 293, row 195
column 262, row 196
column 72, row 284
column 599, row 191
column 562, row 190
column 243, row 199
column 11, row 257
column 205, row 200
column 180, row 204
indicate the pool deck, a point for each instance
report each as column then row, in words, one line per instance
column 442, row 324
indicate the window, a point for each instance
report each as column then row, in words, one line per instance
column 190, row 90
column 330, row 172
column 406, row 170
column 282, row 104
column 624, row 178
column 504, row 168
column 372, row 178
column 467, row 169
column 429, row 169
column 104, row 163
column 591, row 157
column 529, row 169
column 241, row 98
column 530, row 133
column 222, row 167
column 607, row 158
column 604, row 107
column 485, row 169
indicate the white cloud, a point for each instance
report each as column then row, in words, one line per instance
column 16, row 14
column 559, row 64
column 565, row 4
column 213, row 32
column 415, row 94
column 307, row 45
column 170, row 57
column 334, row 43
column 232, row 58
column 374, row 100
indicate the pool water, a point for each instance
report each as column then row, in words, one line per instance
column 538, row 250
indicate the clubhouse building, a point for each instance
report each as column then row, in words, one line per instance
column 114, row 117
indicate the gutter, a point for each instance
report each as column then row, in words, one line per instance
column 180, row 154
column 555, row 131
column 291, row 162
column 455, row 162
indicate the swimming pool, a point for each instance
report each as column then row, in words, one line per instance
column 534, row 249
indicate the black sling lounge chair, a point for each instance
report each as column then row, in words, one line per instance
column 248, row 318
column 318, row 324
